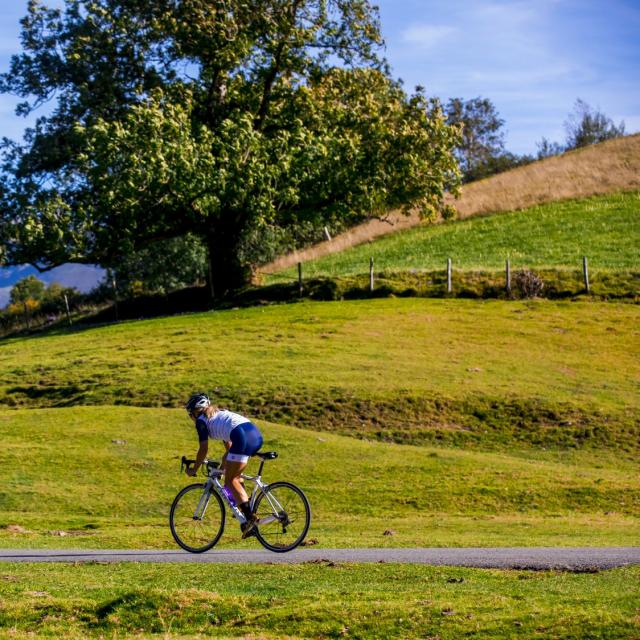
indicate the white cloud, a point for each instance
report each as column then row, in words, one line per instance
column 425, row 36
column 502, row 14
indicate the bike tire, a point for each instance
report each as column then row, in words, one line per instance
column 181, row 524
column 273, row 535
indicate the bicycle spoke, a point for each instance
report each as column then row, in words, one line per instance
column 286, row 516
column 195, row 526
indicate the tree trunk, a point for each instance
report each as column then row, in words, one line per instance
column 226, row 272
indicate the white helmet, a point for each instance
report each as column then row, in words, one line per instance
column 198, row 400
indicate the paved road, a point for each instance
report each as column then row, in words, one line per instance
column 567, row 558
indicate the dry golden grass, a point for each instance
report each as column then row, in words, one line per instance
column 603, row 168
column 610, row 166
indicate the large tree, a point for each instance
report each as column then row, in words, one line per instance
column 209, row 117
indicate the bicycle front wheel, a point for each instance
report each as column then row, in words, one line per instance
column 284, row 516
column 196, row 519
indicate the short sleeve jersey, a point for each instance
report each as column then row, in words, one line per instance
column 219, row 426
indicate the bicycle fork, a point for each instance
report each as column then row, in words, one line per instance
column 203, row 503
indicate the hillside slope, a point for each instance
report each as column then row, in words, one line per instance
column 555, row 235
column 599, row 169
column 488, row 375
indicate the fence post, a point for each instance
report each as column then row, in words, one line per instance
column 300, row 279
column 66, row 304
column 371, row 274
column 508, row 276
column 112, row 276
column 585, row 273
column 327, row 235
column 449, row 288
column 212, row 290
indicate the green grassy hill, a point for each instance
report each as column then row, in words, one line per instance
column 490, row 374
column 535, row 408
column 606, row 229
column 519, row 423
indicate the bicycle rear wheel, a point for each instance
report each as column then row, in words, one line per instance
column 196, row 520
column 284, row 516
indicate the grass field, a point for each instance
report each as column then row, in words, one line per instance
column 606, row 229
column 322, row 600
column 597, row 170
column 106, row 476
column 490, row 374
column 519, row 423
column 96, row 477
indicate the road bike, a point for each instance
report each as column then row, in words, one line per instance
column 198, row 513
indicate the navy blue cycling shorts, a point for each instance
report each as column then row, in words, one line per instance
column 246, row 441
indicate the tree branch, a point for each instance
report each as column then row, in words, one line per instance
column 273, row 72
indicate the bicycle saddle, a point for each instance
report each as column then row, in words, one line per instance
column 267, row 455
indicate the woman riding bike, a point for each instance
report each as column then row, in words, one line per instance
column 241, row 438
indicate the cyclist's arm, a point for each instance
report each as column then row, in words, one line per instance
column 202, row 454
column 203, row 438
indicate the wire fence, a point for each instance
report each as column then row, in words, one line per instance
column 523, row 281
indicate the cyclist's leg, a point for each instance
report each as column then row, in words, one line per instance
column 232, row 471
column 246, row 439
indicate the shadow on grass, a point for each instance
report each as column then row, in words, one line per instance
column 55, row 395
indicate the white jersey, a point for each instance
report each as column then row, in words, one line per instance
column 221, row 424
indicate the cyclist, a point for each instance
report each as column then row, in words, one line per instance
column 241, row 438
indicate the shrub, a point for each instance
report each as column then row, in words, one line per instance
column 529, row 284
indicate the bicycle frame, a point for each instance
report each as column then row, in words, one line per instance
column 213, row 483
column 261, row 486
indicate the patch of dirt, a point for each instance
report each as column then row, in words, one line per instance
column 16, row 528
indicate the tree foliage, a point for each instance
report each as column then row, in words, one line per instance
column 482, row 139
column 163, row 266
column 211, row 117
column 547, row 148
column 586, row 125
column 30, row 296
column 29, row 288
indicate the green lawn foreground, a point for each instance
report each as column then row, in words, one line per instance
column 319, row 600
column 104, row 477
column 558, row 234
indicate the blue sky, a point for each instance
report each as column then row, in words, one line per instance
column 532, row 59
